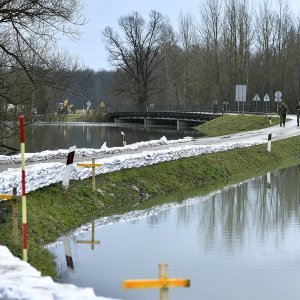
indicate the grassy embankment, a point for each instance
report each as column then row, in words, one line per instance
column 79, row 116
column 229, row 124
column 51, row 213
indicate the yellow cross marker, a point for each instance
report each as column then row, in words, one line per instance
column 6, row 197
column 163, row 283
column 9, row 197
column 93, row 165
column 93, row 242
column 88, row 165
column 155, row 283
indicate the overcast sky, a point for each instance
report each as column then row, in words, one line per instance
column 90, row 47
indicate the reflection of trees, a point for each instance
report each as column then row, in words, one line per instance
column 184, row 216
column 40, row 137
column 229, row 217
column 159, row 218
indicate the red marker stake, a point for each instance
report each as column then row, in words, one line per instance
column 24, row 212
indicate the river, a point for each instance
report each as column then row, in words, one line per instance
column 52, row 136
column 241, row 242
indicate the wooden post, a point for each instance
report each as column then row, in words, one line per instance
column 163, row 274
column 93, row 165
column 93, row 174
column 15, row 217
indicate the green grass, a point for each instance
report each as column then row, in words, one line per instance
column 79, row 116
column 229, row 124
column 52, row 213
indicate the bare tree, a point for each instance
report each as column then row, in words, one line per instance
column 188, row 41
column 210, row 32
column 28, row 49
column 137, row 53
column 237, row 38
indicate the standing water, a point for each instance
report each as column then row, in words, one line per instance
column 52, row 136
column 242, row 242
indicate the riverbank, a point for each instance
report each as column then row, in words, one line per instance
column 80, row 116
column 51, row 213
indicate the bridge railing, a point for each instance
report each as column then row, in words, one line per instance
column 249, row 107
column 162, row 108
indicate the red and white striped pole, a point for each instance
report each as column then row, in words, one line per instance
column 24, row 209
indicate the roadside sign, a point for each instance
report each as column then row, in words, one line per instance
column 256, row 98
column 266, row 98
column 89, row 103
column 278, row 94
column 240, row 93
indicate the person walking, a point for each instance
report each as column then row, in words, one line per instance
column 282, row 110
column 298, row 112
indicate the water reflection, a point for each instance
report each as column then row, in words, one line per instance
column 92, row 241
column 68, row 252
column 243, row 240
column 92, row 135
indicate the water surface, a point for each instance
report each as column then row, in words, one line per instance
column 51, row 136
column 242, row 242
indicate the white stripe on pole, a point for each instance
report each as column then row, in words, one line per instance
column 269, row 142
column 69, row 166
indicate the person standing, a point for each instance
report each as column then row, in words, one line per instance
column 282, row 110
column 215, row 106
column 298, row 112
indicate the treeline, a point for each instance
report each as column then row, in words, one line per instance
column 227, row 44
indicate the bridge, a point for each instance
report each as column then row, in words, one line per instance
column 179, row 115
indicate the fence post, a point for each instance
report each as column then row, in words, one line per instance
column 15, row 217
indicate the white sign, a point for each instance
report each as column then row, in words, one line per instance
column 240, row 93
column 278, row 99
column 89, row 103
column 278, row 94
column 266, row 98
column 256, row 98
